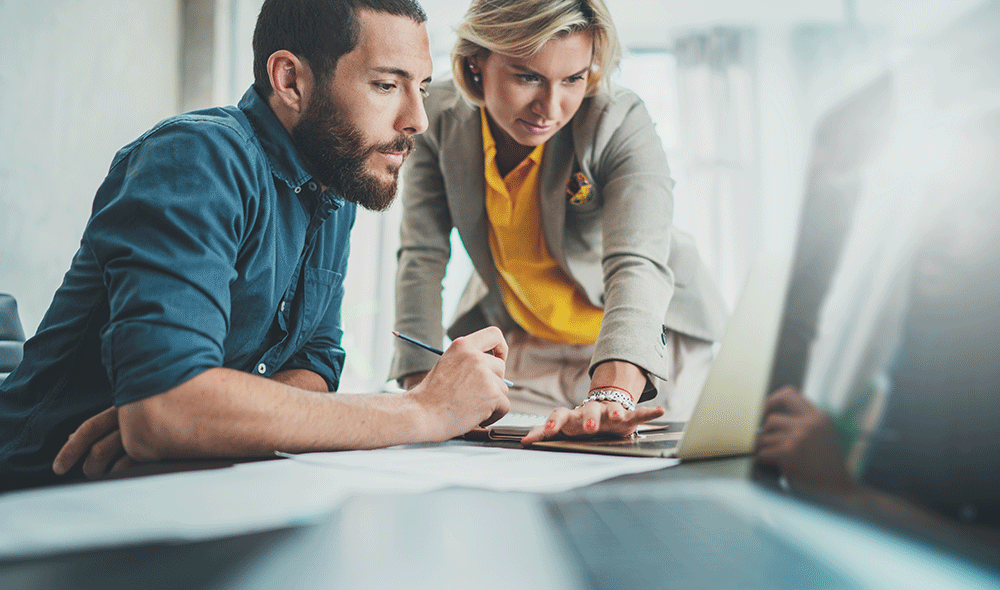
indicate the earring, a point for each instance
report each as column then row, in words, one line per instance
column 475, row 74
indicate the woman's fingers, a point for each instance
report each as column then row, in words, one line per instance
column 590, row 419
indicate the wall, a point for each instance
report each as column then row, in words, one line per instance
column 81, row 79
column 85, row 77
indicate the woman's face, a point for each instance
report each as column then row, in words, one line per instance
column 530, row 99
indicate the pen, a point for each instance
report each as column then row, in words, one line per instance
column 438, row 351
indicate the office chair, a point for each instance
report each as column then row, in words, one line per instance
column 11, row 336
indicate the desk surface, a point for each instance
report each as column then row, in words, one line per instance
column 376, row 542
column 208, row 564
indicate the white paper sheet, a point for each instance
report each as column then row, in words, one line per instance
column 490, row 468
column 252, row 497
column 197, row 505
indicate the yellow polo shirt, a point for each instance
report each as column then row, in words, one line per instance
column 536, row 292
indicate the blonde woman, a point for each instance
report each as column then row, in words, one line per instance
column 559, row 188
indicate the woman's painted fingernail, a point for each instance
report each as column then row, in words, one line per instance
column 551, row 424
column 591, row 424
column 616, row 415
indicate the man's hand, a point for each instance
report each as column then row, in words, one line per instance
column 799, row 439
column 100, row 439
column 413, row 379
column 465, row 389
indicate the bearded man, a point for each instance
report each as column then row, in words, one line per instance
column 203, row 305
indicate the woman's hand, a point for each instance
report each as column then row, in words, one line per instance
column 592, row 418
column 600, row 417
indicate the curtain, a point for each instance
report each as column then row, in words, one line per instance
column 717, row 195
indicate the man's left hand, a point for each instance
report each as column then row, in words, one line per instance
column 100, row 440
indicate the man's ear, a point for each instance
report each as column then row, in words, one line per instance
column 291, row 81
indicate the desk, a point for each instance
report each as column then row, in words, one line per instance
column 213, row 564
column 383, row 542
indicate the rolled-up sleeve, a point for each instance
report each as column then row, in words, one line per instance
column 166, row 231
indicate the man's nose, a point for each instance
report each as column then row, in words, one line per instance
column 413, row 118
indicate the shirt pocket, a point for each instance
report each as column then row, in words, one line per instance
column 319, row 289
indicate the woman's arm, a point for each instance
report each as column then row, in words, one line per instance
column 631, row 178
column 424, row 251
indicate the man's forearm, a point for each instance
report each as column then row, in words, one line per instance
column 303, row 379
column 227, row 413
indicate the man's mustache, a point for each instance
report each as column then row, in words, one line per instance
column 402, row 144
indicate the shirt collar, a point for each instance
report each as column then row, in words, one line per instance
column 490, row 145
column 285, row 160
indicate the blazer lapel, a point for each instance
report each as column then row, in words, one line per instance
column 557, row 165
column 462, row 155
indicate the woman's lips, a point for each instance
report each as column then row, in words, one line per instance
column 537, row 129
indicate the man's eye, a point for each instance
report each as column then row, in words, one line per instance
column 528, row 77
column 385, row 86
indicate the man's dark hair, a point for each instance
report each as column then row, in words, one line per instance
column 317, row 31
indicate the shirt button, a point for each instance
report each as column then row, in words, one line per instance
column 262, row 368
column 282, row 307
column 312, row 186
column 298, row 189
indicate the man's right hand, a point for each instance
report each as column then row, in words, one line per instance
column 800, row 439
column 100, row 440
column 465, row 389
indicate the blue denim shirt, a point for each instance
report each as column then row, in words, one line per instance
column 209, row 245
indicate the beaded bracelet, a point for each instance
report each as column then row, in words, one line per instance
column 610, row 394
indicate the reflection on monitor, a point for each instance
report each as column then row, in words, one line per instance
column 892, row 321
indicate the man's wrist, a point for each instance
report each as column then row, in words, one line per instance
column 423, row 422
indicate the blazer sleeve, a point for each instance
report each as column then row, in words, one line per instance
column 423, row 255
column 652, row 278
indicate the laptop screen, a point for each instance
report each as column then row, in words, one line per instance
column 886, row 384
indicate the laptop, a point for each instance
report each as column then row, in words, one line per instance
column 725, row 419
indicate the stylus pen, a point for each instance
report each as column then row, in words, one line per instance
column 430, row 348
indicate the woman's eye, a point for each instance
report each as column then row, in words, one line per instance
column 574, row 79
column 528, row 77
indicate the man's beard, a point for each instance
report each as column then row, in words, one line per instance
column 337, row 155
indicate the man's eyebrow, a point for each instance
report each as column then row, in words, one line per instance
column 399, row 72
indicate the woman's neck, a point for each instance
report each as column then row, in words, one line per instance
column 509, row 152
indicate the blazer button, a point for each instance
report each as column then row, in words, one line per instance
column 262, row 368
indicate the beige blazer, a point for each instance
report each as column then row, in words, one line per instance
column 619, row 247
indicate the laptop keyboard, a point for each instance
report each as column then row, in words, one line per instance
column 680, row 543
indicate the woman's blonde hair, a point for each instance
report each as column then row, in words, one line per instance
column 519, row 28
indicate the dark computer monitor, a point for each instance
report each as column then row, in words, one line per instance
column 892, row 320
